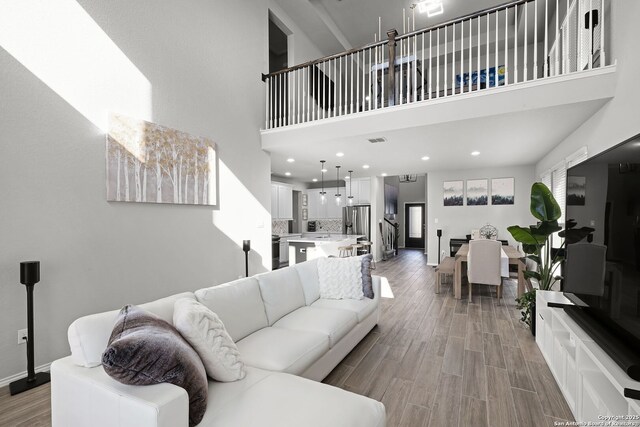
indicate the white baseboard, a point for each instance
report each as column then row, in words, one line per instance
column 432, row 264
column 6, row 381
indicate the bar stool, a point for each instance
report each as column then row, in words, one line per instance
column 355, row 248
column 344, row 251
column 366, row 247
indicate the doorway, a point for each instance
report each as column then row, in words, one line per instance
column 414, row 229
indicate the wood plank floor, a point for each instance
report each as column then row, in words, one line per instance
column 432, row 360
column 436, row 361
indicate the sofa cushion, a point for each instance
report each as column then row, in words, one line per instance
column 281, row 292
column 205, row 332
column 283, row 350
column 282, row 400
column 88, row 336
column 328, row 321
column 238, row 304
column 361, row 307
column 145, row 350
column 308, row 273
column 340, row 278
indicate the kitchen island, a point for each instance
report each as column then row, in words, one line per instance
column 316, row 245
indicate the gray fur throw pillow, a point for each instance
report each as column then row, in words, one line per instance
column 367, row 281
column 144, row 349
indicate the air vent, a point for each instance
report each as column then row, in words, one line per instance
column 377, row 140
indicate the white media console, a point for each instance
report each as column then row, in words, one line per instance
column 591, row 382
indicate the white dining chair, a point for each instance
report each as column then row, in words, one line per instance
column 483, row 264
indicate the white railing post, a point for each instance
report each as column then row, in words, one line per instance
column 506, row 47
column 546, row 38
column 497, row 59
column 462, row 57
column 515, row 45
column 557, row 42
column 422, row 65
column 526, row 47
column 430, row 65
column 438, row 63
column 535, row 39
column 591, row 34
column 478, row 51
column 453, row 60
column 415, row 68
column 603, row 61
column 470, row 55
column 486, row 71
column 445, row 60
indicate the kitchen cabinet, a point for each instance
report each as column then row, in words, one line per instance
column 281, row 201
column 361, row 191
column 364, row 191
column 328, row 210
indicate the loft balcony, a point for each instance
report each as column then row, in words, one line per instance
column 541, row 59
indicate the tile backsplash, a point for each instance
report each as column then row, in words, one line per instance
column 329, row 225
column 279, row 226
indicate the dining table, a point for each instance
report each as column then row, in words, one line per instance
column 513, row 257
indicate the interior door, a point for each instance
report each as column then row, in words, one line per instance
column 414, row 226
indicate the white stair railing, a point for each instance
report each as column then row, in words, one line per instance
column 510, row 44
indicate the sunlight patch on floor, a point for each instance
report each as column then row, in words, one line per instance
column 385, row 289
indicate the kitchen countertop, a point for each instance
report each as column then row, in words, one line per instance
column 323, row 237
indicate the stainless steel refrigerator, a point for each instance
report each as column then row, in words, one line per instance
column 357, row 220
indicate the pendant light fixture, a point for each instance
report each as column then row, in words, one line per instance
column 338, row 195
column 350, row 188
column 323, row 193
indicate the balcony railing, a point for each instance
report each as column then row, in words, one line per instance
column 510, row 44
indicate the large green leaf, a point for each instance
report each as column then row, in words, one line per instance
column 525, row 235
column 546, row 228
column 532, row 274
column 531, row 249
column 543, row 205
column 574, row 235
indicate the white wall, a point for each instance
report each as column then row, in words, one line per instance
column 618, row 119
column 458, row 221
column 203, row 63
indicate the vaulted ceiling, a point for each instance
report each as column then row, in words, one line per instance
column 336, row 25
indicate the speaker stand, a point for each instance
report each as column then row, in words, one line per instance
column 26, row 384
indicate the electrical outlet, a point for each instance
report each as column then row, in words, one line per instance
column 22, row 336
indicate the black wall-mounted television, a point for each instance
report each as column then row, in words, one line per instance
column 602, row 277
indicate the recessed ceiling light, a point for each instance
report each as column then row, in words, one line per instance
column 315, row 179
column 323, row 170
column 287, row 173
column 346, row 177
column 291, row 160
column 340, row 154
column 425, row 158
column 384, row 174
column 475, row 153
column 365, row 166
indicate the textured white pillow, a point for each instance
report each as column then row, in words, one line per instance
column 204, row 330
column 340, row 278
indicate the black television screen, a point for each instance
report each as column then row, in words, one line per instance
column 603, row 276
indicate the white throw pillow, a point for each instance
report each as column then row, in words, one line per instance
column 204, row 330
column 340, row 278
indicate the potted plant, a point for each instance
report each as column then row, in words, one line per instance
column 537, row 245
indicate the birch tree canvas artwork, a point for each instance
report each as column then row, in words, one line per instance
column 149, row 163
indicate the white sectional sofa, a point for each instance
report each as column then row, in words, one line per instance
column 287, row 335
